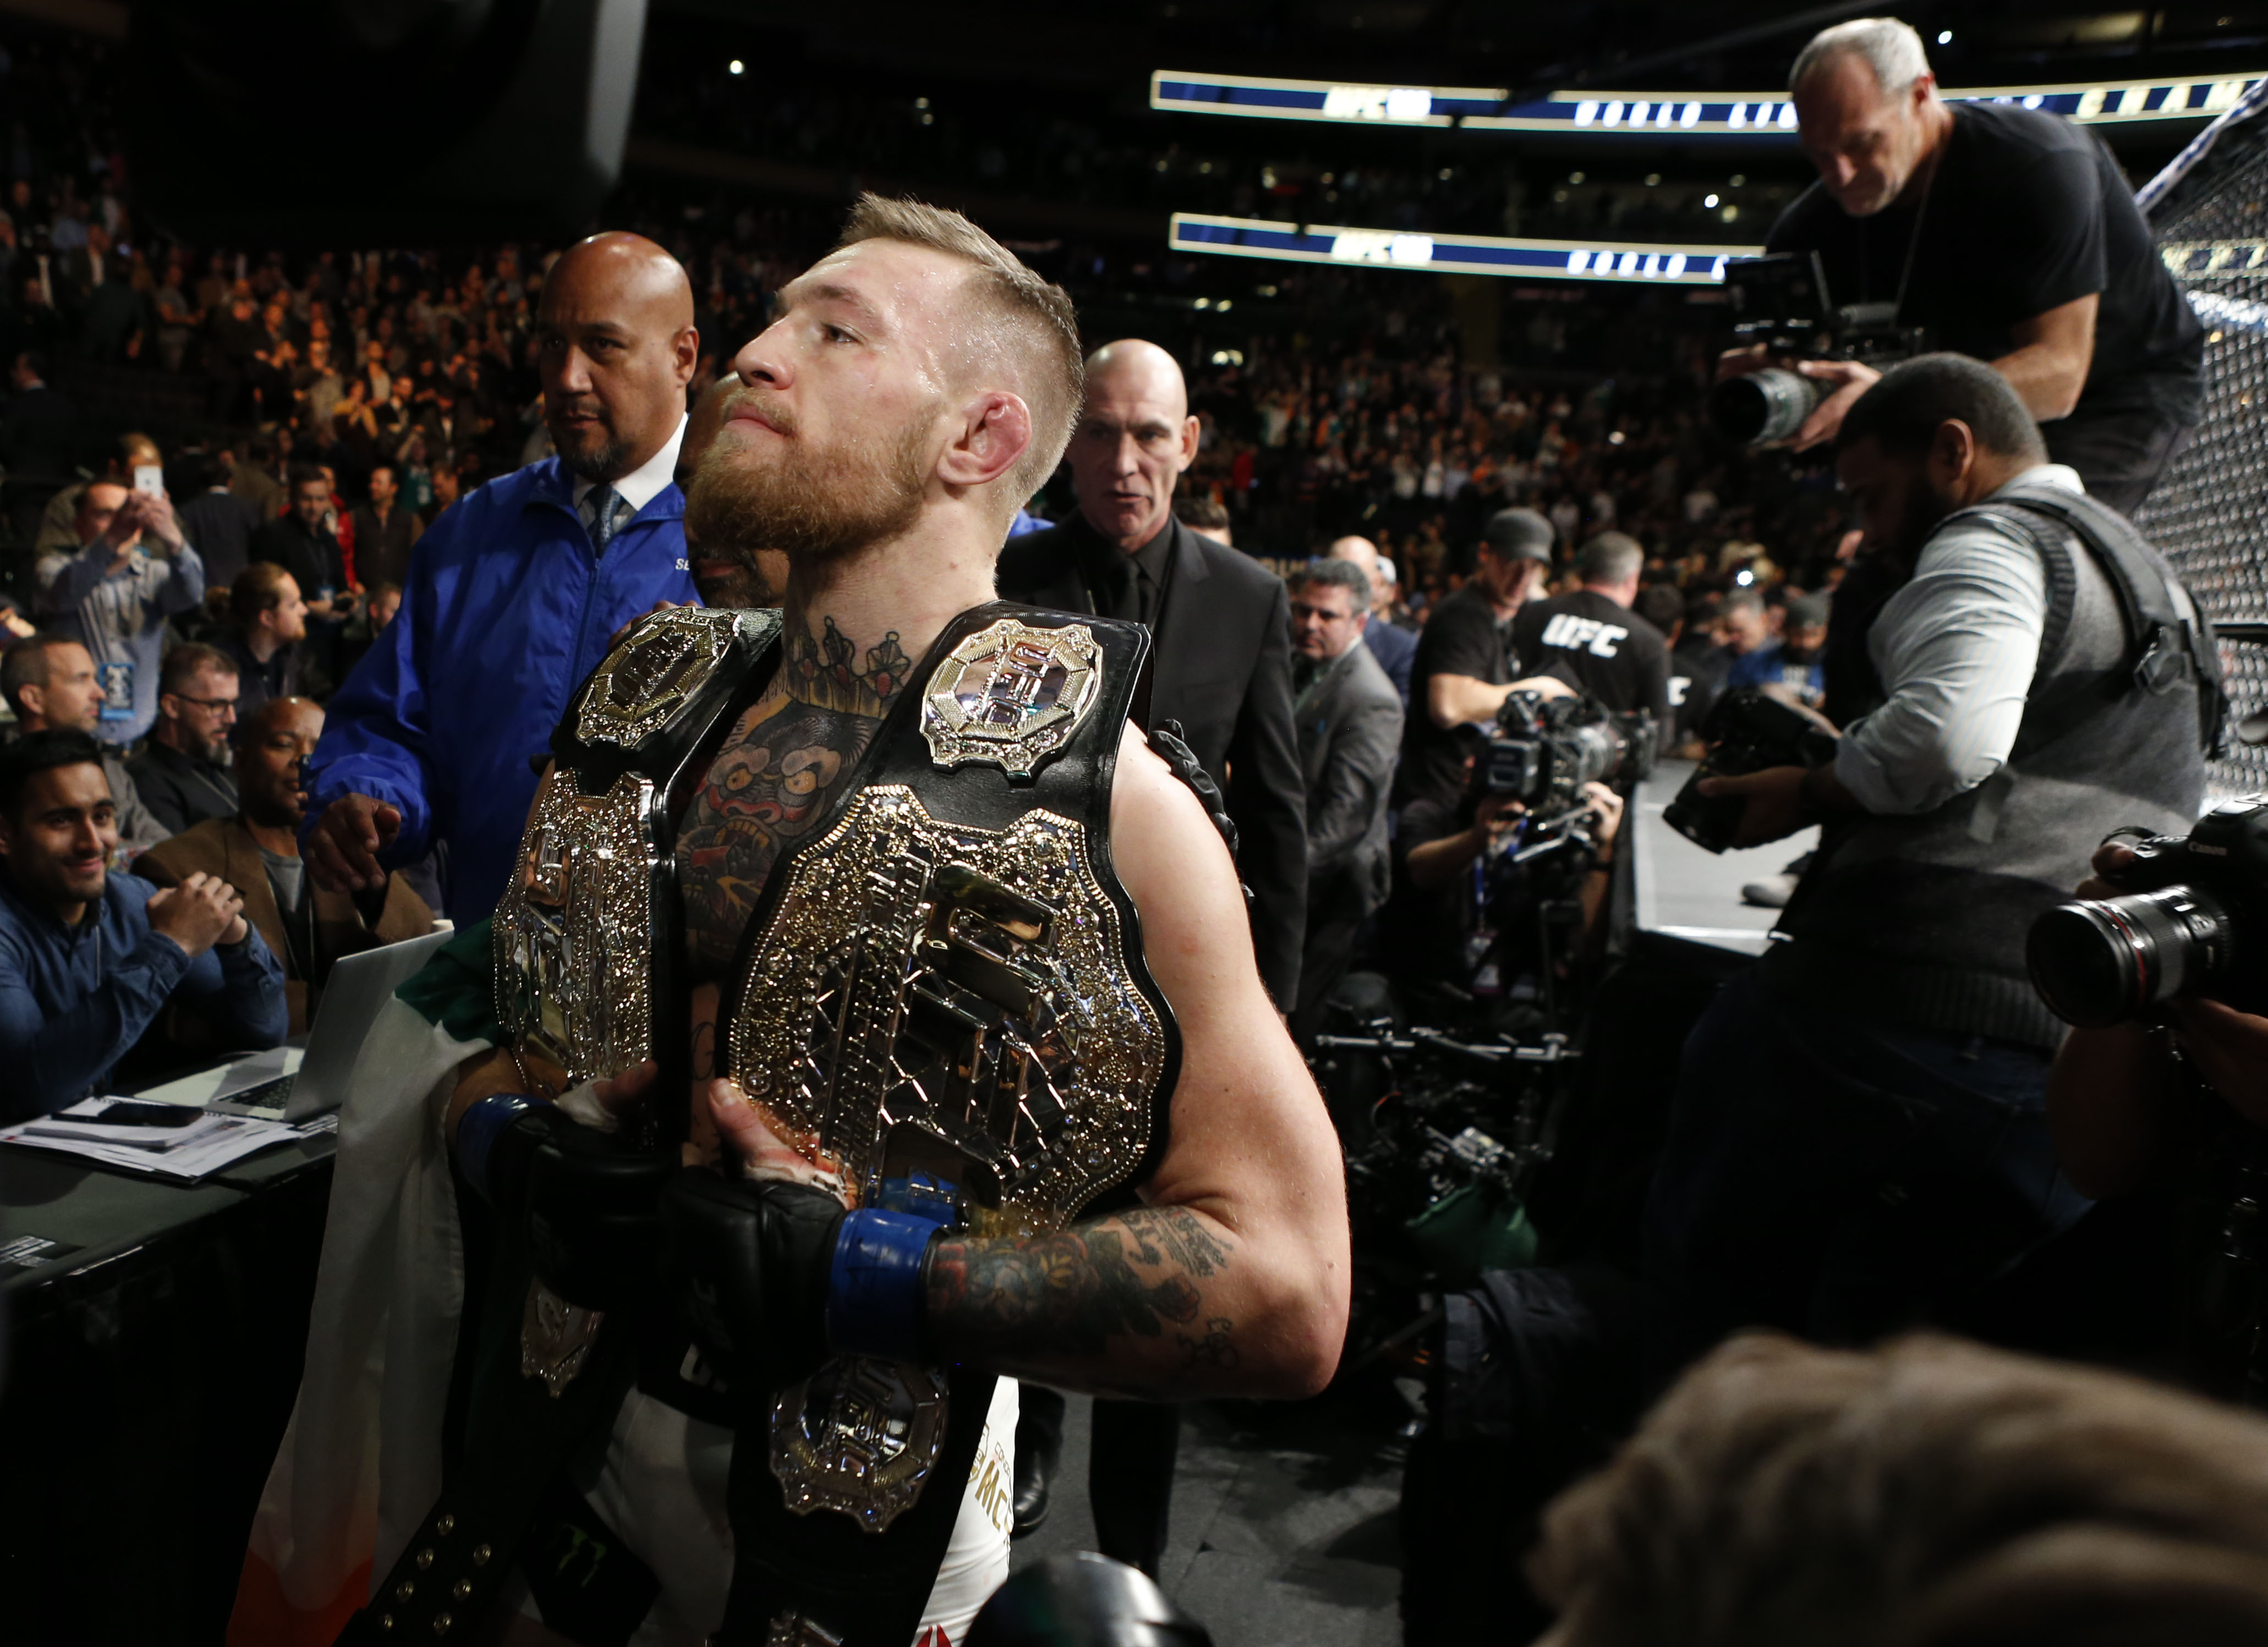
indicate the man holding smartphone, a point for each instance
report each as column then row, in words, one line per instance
column 132, row 570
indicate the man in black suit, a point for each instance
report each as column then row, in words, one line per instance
column 1224, row 671
column 1221, row 621
column 1350, row 725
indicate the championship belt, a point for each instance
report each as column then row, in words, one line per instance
column 589, row 981
column 588, row 943
column 943, row 987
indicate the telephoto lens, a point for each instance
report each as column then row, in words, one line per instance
column 1764, row 407
column 2100, row 961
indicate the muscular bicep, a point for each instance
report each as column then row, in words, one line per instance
column 1250, row 1136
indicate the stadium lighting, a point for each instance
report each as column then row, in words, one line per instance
column 1753, row 114
column 1945, row 37
column 736, row 67
column 1463, row 254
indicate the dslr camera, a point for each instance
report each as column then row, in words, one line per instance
column 2190, row 919
column 1782, row 303
column 1544, row 750
column 1746, row 732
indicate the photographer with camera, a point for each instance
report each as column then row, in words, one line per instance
column 2123, row 1093
column 1857, row 1136
column 2002, row 233
column 2160, row 1091
column 1464, row 668
column 1510, row 877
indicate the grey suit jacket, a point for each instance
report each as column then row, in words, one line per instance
column 1349, row 721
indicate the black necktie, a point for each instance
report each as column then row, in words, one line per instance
column 1118, row 592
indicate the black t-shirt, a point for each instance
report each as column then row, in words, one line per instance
column 1597, row 646
column 1697, row 669
column 2027, row 212
column 1460, row 637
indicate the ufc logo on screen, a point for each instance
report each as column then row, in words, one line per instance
column 1583, row 635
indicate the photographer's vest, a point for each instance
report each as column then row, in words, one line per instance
column 1921, row 921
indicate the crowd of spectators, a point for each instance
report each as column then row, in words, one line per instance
column 307, row 415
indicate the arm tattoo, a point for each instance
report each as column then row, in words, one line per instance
column 775, row 780
column 1071, row 1293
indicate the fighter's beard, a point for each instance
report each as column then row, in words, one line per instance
column 815, row 506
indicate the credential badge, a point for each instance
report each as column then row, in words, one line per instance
column 1011, row 695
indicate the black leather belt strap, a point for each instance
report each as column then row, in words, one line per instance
column 821, row 1579
column 449, row 1575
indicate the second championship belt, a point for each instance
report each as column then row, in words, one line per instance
column 942, row 1001
column 588, row 984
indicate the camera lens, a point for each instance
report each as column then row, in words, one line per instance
column 1762, row 405
column 2101, row 961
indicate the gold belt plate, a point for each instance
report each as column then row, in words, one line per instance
column 574, row 932
column 926, row 980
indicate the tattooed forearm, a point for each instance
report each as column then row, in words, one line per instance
column 1084, row 1294
column 1216, row 1348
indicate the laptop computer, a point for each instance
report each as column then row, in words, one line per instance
column 282, row 1085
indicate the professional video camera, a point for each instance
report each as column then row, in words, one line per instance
column 1746, row 732
column 1782, row 303
column 1445, row 1135
column 1544, row 750
column 2190, row 919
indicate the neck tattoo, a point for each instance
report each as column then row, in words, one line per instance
column 776, row 778
column 826, row 674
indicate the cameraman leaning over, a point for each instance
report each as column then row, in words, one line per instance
column 1464, row 666
column 1857, row 1138
column 2009, row 235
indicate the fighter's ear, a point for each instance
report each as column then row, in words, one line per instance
column 996, row 430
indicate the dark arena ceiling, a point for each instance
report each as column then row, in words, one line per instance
column 1678, row 44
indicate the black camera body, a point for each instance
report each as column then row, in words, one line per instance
column 2190, row 919
column 1782, row 303
column 1544, row 750
column 1747, row 732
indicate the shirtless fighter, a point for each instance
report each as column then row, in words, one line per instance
column 916, row 386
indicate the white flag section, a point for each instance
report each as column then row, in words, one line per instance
column 360, row 1463
column 361, row 1458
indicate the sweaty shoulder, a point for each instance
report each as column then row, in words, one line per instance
column 1177, row 869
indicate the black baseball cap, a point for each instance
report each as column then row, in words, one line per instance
column 1519, row 533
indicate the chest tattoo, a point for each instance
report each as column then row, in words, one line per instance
column 775, row 780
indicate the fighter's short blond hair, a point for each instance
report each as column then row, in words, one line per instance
column 1036, row 323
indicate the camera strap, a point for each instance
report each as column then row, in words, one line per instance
column 2166, row 647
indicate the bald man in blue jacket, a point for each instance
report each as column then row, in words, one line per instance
column 514, row 594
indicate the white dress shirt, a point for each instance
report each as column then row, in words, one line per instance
column 1956, row 649
column 640, row 487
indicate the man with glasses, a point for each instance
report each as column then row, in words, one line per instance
column 1349, row 720
column 183, row 775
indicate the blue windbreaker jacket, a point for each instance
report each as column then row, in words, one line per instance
column 506, row 611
